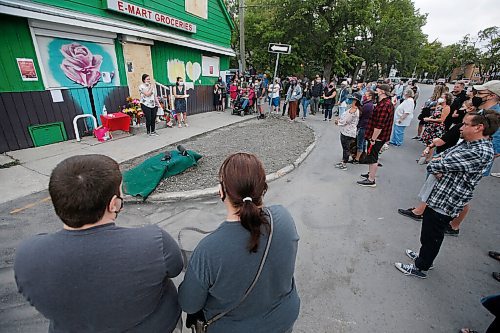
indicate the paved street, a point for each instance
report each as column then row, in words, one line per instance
column 350, row 238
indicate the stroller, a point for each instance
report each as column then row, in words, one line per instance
column 242, row 105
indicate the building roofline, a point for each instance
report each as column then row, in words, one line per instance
column 73, row 18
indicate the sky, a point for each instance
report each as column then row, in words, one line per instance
column 450, row 20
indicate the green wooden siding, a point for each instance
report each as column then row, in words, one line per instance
column 16, row 43
column 163, row 52
column 120, row 62
column 215, row 30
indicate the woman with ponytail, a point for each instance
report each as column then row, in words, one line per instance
column 225, row 263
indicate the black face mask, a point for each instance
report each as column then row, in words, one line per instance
column 476, row 101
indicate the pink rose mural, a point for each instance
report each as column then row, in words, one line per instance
column 80, row 65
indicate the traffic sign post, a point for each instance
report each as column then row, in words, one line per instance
column 278, row 49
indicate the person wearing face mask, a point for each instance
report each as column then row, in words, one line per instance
column 180, row 102
column 365, row 114
column 316, row 92
column 224, row 263
column 93, row 275
column 402, row 118
column 344, row 92
column 434, row 125
column 218, row 95
column 487, row 97
column 274, row 96
column 329, row 100
column 293, row 96
column 348, row 122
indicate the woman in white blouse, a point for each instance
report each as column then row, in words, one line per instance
column 149, row 103
column 348, row 122
column 402, row 118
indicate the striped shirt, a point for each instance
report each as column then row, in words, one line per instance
column 462, row 168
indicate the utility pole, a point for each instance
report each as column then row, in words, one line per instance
column 241, row 14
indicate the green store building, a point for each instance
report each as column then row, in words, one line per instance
column 60, row 57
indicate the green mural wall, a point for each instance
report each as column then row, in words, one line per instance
column 170, row 61
column 216, row 29
column 16, row 43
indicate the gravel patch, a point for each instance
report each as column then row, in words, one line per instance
column 275, row 141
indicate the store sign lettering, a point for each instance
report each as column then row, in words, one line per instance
column 150, row 15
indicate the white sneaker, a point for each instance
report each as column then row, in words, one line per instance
column 495, row 174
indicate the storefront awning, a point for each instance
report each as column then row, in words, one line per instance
column 63, row 16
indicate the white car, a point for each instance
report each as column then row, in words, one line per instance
column 466, row 81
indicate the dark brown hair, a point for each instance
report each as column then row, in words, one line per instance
column 487, row 118
column 81, row 188
column 242, row 175
column 144, row 77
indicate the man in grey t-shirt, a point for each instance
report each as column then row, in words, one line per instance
column 93, row 276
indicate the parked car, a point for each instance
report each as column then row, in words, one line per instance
column 466, row 81
column 441, row 81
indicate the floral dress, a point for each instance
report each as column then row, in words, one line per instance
column 433, row 130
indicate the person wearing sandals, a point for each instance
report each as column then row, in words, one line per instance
column 180, row 102
column 348, row 122
column 225, row 263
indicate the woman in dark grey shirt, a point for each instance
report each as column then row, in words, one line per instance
column 225, row 263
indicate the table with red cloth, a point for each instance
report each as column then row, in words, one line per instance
column 116, row 121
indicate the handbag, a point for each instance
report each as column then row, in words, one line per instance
column 200, row 325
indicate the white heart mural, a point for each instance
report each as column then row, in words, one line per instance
column 175, row 69
column 193, row 70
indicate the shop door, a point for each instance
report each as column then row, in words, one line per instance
column 137, row 62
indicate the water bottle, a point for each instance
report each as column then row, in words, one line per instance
column 104, row 111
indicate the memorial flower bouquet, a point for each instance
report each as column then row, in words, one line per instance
column 133, row 109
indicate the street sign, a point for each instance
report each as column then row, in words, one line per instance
column 279, row 48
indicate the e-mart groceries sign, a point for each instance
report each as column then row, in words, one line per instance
column 150, row 15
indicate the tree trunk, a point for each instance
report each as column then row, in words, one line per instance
column 327, row 71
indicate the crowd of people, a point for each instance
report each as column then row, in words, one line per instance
column 67, row 277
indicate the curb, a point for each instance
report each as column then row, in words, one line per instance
column 213, row 191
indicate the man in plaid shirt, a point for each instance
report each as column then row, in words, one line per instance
column 457, row 172
column 378, row 132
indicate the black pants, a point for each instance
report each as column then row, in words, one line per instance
column 150, row 114
column 328, row 111
column 346, row 142
column 431, row 237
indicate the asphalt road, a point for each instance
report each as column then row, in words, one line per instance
column 350, row 238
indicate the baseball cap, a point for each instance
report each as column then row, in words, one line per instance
column 386, row 88
column 355, row 96
column 493, row 86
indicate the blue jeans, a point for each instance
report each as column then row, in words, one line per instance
column 342, row 109
column 398, row 133
column 305, row 104
column 361, row 141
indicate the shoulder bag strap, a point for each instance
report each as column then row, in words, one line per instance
column 262, row 262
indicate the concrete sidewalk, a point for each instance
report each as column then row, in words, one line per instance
column 36, row 164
